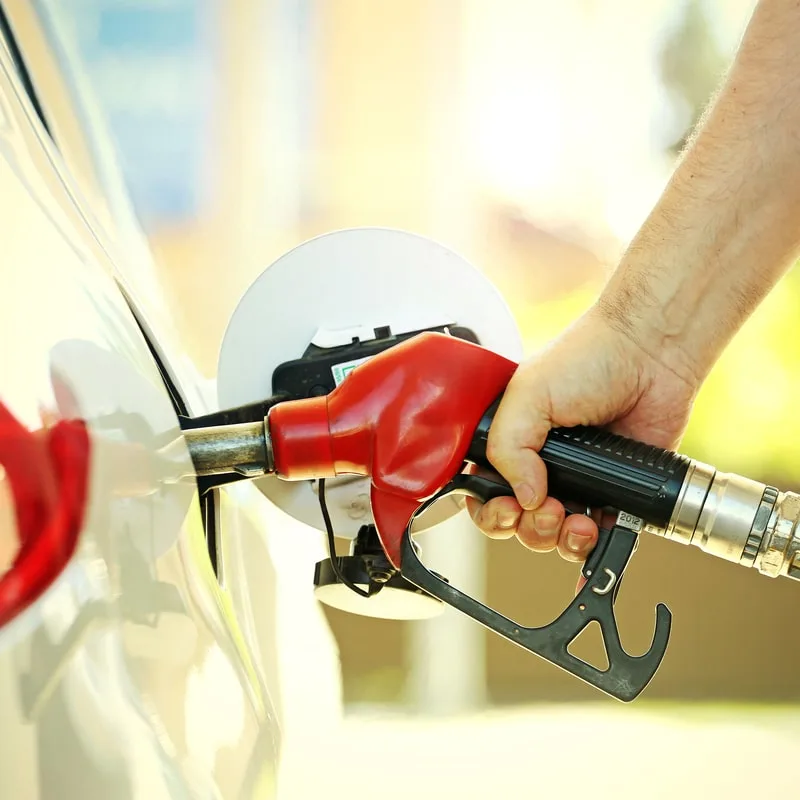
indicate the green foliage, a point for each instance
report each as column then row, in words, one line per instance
column 691, row 66
column 745, row 418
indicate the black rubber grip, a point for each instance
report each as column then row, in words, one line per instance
column 594, row 467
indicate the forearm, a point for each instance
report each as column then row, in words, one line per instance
column 727, row 226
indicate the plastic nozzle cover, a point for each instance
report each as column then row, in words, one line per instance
column 405, row 418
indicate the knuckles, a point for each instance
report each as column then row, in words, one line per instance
column 496, row 452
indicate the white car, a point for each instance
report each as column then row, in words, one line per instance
column 140, row 621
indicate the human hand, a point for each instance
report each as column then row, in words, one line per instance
column 595, row 373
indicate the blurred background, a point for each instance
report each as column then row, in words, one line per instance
column 533, row 137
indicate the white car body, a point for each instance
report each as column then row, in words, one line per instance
column 137, row 672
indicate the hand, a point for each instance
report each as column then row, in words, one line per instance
column 593, row 374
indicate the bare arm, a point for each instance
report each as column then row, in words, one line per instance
column 728, row 224
column 726, row 228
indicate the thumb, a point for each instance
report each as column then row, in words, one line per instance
column 518, row 431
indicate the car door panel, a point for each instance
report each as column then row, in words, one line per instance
column 128, row 676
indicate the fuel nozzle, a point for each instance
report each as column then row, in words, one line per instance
column 412, row 417
column 734, row 518
column 726, row 515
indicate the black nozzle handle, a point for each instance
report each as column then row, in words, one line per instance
column 600, row 469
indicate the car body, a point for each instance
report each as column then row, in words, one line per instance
column 155, row 657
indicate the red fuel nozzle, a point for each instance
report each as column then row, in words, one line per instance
column 410, row 417
column 406, row 419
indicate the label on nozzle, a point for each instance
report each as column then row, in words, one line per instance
column 626, row 520
column 341, row 371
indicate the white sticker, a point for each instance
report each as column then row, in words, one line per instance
column 341, row 371
column 626, row 520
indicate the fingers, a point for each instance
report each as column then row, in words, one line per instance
column 578, row 537
column 542, row 530
column 518, row 431
column 546, row 529
column 498, row 518
column 539, row 530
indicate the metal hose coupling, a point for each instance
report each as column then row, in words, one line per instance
column 734, row 518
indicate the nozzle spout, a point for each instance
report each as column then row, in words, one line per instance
column 243, row 448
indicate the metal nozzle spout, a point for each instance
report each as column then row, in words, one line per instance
column 243, row 448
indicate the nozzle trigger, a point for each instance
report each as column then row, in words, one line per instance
column 626, row 675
